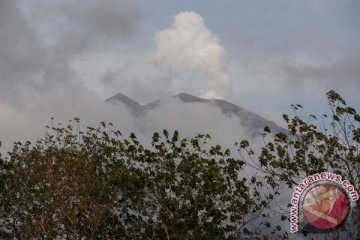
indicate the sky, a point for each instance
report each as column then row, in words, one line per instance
column 62, row 58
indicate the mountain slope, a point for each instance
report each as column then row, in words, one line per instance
column 133, row 106
column 250, row 120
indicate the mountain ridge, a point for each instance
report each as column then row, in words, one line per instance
column 251, row 120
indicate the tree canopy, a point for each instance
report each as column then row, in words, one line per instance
column 326, row 143
column 98, row 184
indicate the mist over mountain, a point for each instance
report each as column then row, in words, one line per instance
column 254, row 123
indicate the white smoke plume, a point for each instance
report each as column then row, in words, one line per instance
column 189, row 44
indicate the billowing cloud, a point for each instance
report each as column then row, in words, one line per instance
column 106, row 19
column 22, row 57
column 200, row 118
column 28, row 122
column 53, row 53
column 39, row 40
column 337, row 71
column 189, row 44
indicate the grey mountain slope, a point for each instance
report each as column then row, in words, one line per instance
column 133, row 106
column 187, row 98
column 249, row 119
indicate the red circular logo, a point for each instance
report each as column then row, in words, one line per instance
column 325, row 206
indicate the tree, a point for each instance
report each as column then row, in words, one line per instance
column 98, row 185
column 64, row 186
column 308, row 148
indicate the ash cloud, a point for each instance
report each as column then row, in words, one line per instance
column 172, row 114
column 340, row 71
column 106, row 19
column 191, row 45
column 38, row 80
column 22, row 56
column 38, row 42
column 40, row 39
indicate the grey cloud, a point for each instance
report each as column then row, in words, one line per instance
column 146, row 80
column 341, row 70
column 29, row 64
column 110, row 18
column 295, row 64
column 28, row 124
column 108, row 78
column 96, row 20
column 26, row 65
column 194, row 118
column 22, row 58
column 315, row 48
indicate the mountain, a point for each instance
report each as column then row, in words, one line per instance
column 247, row 118
column 133, row 106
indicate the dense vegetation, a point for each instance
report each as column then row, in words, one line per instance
column 100, row 185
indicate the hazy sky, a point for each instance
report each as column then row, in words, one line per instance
column 262, row 55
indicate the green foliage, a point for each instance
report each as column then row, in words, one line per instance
column 308, row 148
column 100, row 185
column 97, row 185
